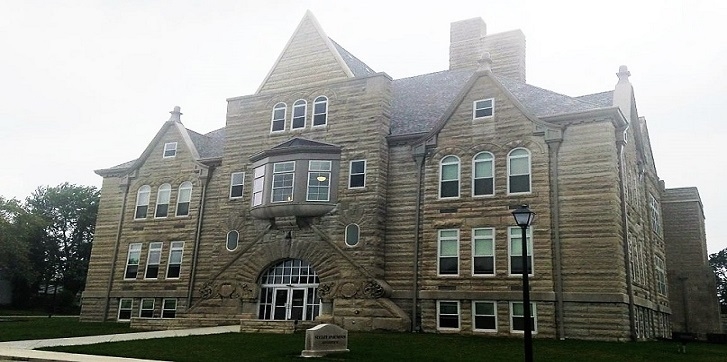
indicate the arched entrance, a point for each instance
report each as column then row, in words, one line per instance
column 289, row 291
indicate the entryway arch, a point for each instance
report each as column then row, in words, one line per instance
column 289, row 291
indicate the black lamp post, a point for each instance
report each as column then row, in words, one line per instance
column 523, row 218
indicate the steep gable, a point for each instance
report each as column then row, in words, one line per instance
column 308, row 58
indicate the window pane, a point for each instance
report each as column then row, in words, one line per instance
column 448, row 308
column 485, row 322
column 519, row 166
column 484, row 186
column 483, row 169
column 484, row 265
column 483, row 247
column 352, row 234
column 485, row 308
column 448, row 265
column 450, row 189
column 448, row 248
column 519, row 183
column 236, row 191
column 358, row 166
column 450, row 172
column 357, row 181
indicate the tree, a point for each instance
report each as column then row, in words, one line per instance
column 14, row 231
column 718, row 261
column 60, row 255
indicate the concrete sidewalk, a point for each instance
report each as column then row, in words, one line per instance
column 24, row 350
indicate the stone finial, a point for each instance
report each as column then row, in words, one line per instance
column 176, row 115
column 485, row 62
column 623, row 73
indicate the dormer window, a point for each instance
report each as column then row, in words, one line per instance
column 170, row 149
column 320, row 111
column 283, row 175
column 278, row 118
column 483, row 108
column 299, row 111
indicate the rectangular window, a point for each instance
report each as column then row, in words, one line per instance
column 237, row 181
column 517, row 317
column 514, row 235
column 660, row 267
column 169, row 308
column 655, row 215
column 484, row 316
column 132, row 261
column 357, row 174
column 447, row 314
column 319, row 181
column 283, row 176
column 257, row 186
column 175, row 259
column 153, row 260
column 448, row 252
column 483, row 108
column 483, row 251
column 146, row 309
column 170, row 149
column 125, row 306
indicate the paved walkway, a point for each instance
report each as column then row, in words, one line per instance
column 24, row 350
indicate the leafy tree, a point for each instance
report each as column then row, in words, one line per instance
column 68, row 212
column 718, row 261
column 14, row 230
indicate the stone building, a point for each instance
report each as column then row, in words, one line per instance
column 336, row 193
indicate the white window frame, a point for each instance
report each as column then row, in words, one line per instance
column 184, row 196
column 441, row 238
column 518, row 235
column 475, row 238
column 171, row 148
column 273, row 120
column 301, row 103
column 319, row 100
column 533, row 315
column 319, row 168
column 175, row 248
column 134, row 248
column 662, row 287
column 476, row 107
column 475, row 315
column 282, row 173
column 235, row 184
column 358, row 235
column 258, row 185
column 442, row 164
column 164, row 196
column 165, row 309
column 655, row 214
column 142, row 309
column 153, row 258
column 439, row 315
column 130, row 309
column 142, row 200
column 475, row 161
column 351, row 174
column 510, row 158
column 237, row 240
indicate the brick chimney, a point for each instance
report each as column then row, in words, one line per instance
column 468, row 40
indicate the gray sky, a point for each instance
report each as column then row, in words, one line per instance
column 86, row 84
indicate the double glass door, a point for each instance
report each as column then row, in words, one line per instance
column 289, row 291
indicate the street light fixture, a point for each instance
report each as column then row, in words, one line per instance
column 523, row 218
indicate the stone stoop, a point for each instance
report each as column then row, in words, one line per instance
column 280, row 327
column 185, row 321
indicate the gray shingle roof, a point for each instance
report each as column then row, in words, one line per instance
column 209, row 145
column 603, row 99
column 542, row 102
column 358, row 68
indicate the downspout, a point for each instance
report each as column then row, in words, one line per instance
column 116, row 247
column 207, row 173
column 554, row 146
column 419, row 157
column 621, row 143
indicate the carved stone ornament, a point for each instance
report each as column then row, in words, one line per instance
column 325, row 290
column 373, row 289
column 224, row 290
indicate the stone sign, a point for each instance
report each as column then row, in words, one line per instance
column 324, row 339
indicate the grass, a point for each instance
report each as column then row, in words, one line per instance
column 372, row 346
column 13, row 328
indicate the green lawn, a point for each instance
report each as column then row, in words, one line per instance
column 14, row 328
column 397, row 347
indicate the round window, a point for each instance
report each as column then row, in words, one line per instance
column 233, row 238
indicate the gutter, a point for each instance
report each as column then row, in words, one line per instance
column 554, row 147
column 420, row 155
column 625, row 233
column 116, row 249
column 198, row 233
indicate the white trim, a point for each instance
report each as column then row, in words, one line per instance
column 492, row 161
column 474, row 314
column 169, row 146
column 284, row 119
column 184, row 186
column 164, row 307
column 530, row 171
column 272, row 182
column 322, row 171
column 138, row 262
column 130, row 309
column 255, row 183
column 351, row 174
column 157, row 247
column 175, row 246
column 167, row 188
column 494, row 260
column 358, row 235
column 305, row 114
column 439, row 251
column 232, row 184
column 529, row 237
column 141, row 307
column 313, row 113
column 459, row 178
column 227, row 240
column 147, row 191
column 533, row 315
column 459, row 317
column 492, row 107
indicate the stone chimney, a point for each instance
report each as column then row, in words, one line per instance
column 468, row 40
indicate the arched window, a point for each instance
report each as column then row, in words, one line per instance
column 320, row 111
column 518, row 171
column 299, row 111
column 142, row 202
column 278, row 117
column 233, row 239
column 449, row 177
column 183, row 198
column 165, row 191
column 352, row 234
column 483, row 177
column 289, row 291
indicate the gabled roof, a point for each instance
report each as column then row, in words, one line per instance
column 209, row 145
column 358, row 68
column 297, row 145
column 603, row 99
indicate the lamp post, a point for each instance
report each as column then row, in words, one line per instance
column 523, row 218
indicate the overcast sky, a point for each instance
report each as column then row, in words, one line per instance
column 86, row 85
